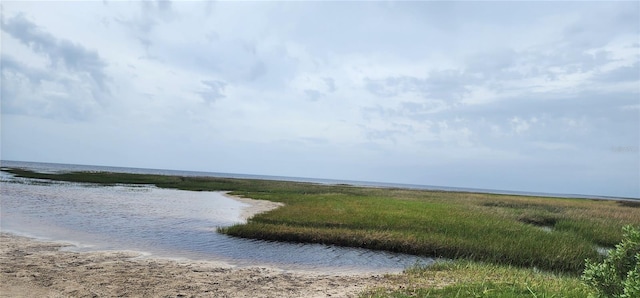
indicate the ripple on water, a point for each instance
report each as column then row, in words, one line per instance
column 167, row 223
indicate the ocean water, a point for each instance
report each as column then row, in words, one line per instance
column 164, row 223
column 53, row 167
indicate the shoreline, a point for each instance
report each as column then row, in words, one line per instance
column 255, row 206
column 249, row 208
column 37, row 267
column 33, row 268
column 54, row 168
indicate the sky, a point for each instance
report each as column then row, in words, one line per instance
column 522, row 96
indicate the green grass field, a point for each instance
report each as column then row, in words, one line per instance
column 488, row 232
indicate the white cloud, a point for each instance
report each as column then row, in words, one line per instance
column 520, row 126
column 399, row 91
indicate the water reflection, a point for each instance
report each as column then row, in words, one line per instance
column 166, row 223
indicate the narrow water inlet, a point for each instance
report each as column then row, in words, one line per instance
column 167, row 223
column 604, row 251
column 547, row 229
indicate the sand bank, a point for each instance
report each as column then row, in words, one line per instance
column 255, row 206
column 30, row 268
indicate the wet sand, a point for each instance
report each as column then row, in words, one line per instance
column 30, row 268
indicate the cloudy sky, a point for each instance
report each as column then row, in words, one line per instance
column 525, row 96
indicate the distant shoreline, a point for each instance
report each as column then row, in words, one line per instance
column 57, row 167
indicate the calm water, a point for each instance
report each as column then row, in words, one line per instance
column 52, row 167
column 165, row 223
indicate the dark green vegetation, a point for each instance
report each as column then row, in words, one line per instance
column 536, row 232
column 619, row 274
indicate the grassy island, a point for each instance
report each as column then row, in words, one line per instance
column 534, row 244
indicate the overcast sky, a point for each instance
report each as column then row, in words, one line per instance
column 527, row 96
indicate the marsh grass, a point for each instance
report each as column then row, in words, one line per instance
column 474, row 279
column 498, row 229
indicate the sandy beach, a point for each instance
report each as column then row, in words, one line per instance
column 31, row 268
